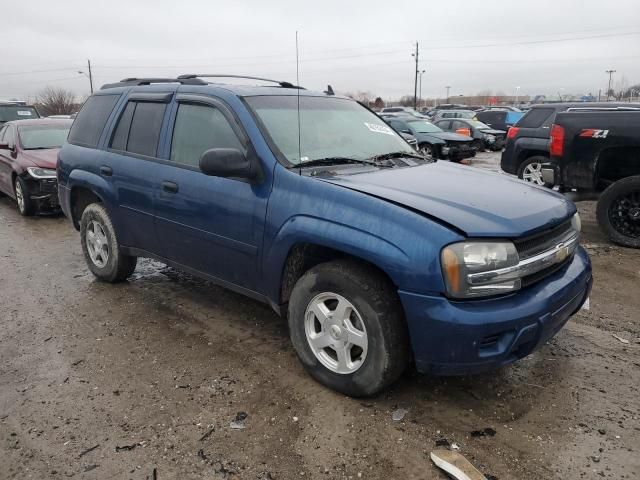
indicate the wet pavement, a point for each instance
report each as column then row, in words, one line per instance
column 143, row 380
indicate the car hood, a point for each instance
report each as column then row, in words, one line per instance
column 454, row 137
column 41, row 158
column 480, row 204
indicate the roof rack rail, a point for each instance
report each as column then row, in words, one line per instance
column 193, row 76
column 604, row 109
column 132, row 82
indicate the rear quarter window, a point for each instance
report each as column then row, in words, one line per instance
column 535, row 117
column 90, row 122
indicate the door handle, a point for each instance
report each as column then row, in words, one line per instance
column 170, row 187
column 106, row 170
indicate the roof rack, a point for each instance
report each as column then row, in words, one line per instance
column 196, row 76
column 603, row 109
column 132, row 82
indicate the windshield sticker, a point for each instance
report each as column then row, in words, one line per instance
column 379, row 128
column 24, row 113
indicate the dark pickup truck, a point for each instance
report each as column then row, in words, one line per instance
column 595, row 153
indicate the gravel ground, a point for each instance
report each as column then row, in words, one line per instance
column 142, row 380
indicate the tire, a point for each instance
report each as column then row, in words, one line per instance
column 530, row 170
column 428, row 151
column 479, row 144
column 102, row 251
column 26, row 206
column 618, row 212
column 376, row 311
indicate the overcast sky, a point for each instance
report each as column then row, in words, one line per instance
column 542, row 46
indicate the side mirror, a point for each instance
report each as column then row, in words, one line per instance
column 4, row 146
column 227, row 162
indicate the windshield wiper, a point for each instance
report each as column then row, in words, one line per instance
column 319, row 162
column 387, row 156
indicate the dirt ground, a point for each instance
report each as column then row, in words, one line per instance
column 141, row 380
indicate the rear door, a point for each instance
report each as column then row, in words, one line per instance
column 131, row 166
column 210, row 224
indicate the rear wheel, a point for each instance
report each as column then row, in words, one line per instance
column 618, row 212
column 100, row 246
column 531, row 170
column 25, row 204
column 347, row 327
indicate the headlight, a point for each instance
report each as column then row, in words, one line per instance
column 576, row 223
column 39, row 173
column 461, row 262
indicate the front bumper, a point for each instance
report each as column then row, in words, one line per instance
column 44, row 192
column 462, row 337
column 458, row 152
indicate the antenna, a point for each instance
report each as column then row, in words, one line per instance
column 298, row 96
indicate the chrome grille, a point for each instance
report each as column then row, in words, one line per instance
column 539, row 242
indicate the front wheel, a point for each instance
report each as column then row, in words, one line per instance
column 347, row 327
column 23, row 199
column 618, row 212
column 100, row 246
column 429, row 151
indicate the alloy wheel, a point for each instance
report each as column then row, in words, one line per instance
column 532, row 173
column 336, row 333
column 624, row 214
column 97, row 244
column 19, row 196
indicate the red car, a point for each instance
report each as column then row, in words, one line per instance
column 28, row 157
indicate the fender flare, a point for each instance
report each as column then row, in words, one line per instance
column 305, row 229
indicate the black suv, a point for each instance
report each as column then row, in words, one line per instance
column 527, row 145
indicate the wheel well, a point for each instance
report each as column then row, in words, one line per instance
column 81, row 198
column 526, row 154
column 304, row 256
column 617, row 163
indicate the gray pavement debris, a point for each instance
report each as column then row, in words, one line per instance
column 622, row 340
column 486, row 432
column 456, row 465
column 88, row 468
column 90, row 449
column 399, row 414
column 238, row 422
column 442, row 442
column 207, row 434
column 127, row 447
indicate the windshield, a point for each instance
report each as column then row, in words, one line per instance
column 329, row 127
column 420, row 126
column 43, row 136
column 17, row 112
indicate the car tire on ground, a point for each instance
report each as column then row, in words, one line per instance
column 100, row 246
column 347, row 327
column 21, row 191
column 618, row 212
column 428, row 150
column 479, row 145
column 531, row 170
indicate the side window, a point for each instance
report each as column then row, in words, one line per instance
column 2, row 130
column 90, row 122
column 197, row 129
column 9, row 136
column 445, row 125
column 535, row 117
column 138, row 128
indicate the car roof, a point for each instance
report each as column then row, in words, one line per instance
column 40, row 121
column 565, row 105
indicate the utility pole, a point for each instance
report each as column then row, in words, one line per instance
column 448, row 87
column 610, row 72
column 90, row 76
column 420, row 93
column 415, row 82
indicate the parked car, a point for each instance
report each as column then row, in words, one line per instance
column 16, row 111
column 440, row 114
column 28, row 151
column 403, row 110
column 499, row 119
column 484, row 136
column 374, row 255
column 507, row 108
column 595, row 153
column 432, row 141
column 527, row 144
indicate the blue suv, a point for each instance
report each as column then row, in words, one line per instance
column 309, row 202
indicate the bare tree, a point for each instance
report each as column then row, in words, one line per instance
column 407, row 100
column 56, row 101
